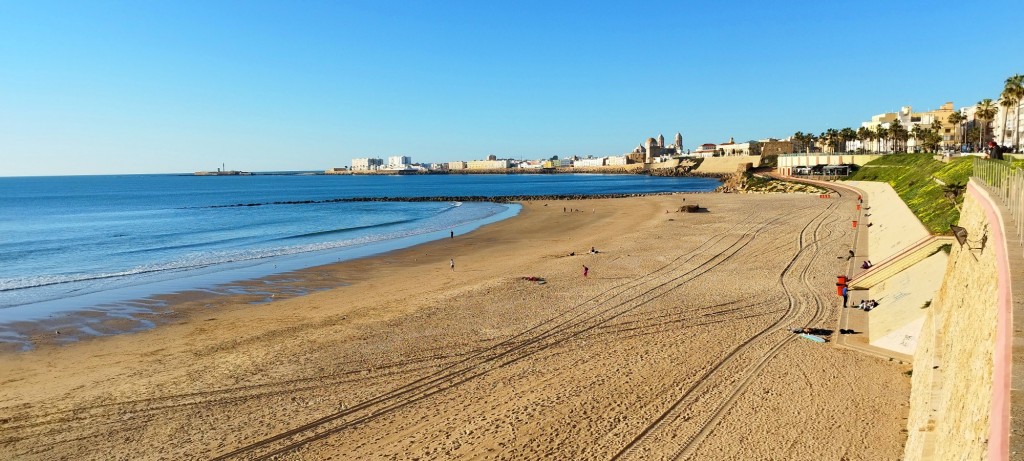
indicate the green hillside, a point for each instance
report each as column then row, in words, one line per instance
column 913, row 176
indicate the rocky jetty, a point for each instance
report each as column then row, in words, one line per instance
column 453, row 198
column 747, row 183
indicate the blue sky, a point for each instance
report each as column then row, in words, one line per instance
column 158, row 87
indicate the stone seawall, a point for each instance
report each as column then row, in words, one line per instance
column 956, row 407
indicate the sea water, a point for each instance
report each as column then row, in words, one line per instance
column 81, row 241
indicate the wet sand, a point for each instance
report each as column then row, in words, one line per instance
column 672, row 348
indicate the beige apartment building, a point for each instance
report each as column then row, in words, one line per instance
column 492, row 164
column 909, row 119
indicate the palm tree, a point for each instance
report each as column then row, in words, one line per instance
column 882, row 133
column 957, row 119
column 918, row 133
column 986, row 111
column 847, row 134
column 898, row 133
column 831, row 138
column 864, row 134
column 1015, row 85
column 800, row 137
column 902, row 135
column 1008, row 100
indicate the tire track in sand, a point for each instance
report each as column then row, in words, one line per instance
column 640, row 447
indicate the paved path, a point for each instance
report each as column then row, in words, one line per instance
column 855, row 319
column 895, row 228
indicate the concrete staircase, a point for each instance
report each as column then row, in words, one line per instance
column 900, row 262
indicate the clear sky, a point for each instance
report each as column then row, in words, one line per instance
column 94, row 87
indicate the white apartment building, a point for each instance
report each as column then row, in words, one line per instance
column 366, row 164
column 585, row 162
column 531, row 164
column 615, row 160
column 458, row 165
column 399, row 162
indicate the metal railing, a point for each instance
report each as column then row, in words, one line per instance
column 1008, row 184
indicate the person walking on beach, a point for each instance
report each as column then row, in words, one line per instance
column 586, row 270
column 453, row 265
column 453, row 234
column 846, row 295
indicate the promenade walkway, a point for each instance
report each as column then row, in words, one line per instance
column 886, row 227
column 1015, row 365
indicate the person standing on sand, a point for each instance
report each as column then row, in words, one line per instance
column 453, row 265
column 453, row 234
column 586, row 270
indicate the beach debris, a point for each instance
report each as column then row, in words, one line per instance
column 539, row 280
column 816, row 339
column 812, row 334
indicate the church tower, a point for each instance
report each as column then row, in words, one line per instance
column 661, row 141
column 679, row 142
column 652, row 150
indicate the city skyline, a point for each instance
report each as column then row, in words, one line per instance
column 126, row 88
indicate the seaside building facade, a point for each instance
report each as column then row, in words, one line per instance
column 590, row 162
column 558, row 163
column 706, row 150
column 1006, row 131
column 492, row 164
column 615, row 160
column 730, row 148
column 367, row 164
column 399, row 162
column 938, row 118
column 742, row 148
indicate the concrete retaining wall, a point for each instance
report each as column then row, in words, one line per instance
column 896, row 323
column 894, row 227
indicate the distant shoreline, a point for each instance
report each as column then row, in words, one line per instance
column 667, row 172
column 661, row 172
column 462, row 198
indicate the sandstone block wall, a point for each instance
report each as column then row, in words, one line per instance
column 727, row 164
column 951, row 396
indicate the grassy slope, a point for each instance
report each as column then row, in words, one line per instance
column 913, row 178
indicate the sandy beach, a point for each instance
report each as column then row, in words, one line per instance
column 673, row 347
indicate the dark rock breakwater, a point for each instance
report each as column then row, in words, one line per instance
column 455, row 198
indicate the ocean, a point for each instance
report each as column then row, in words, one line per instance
column 78, row 242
